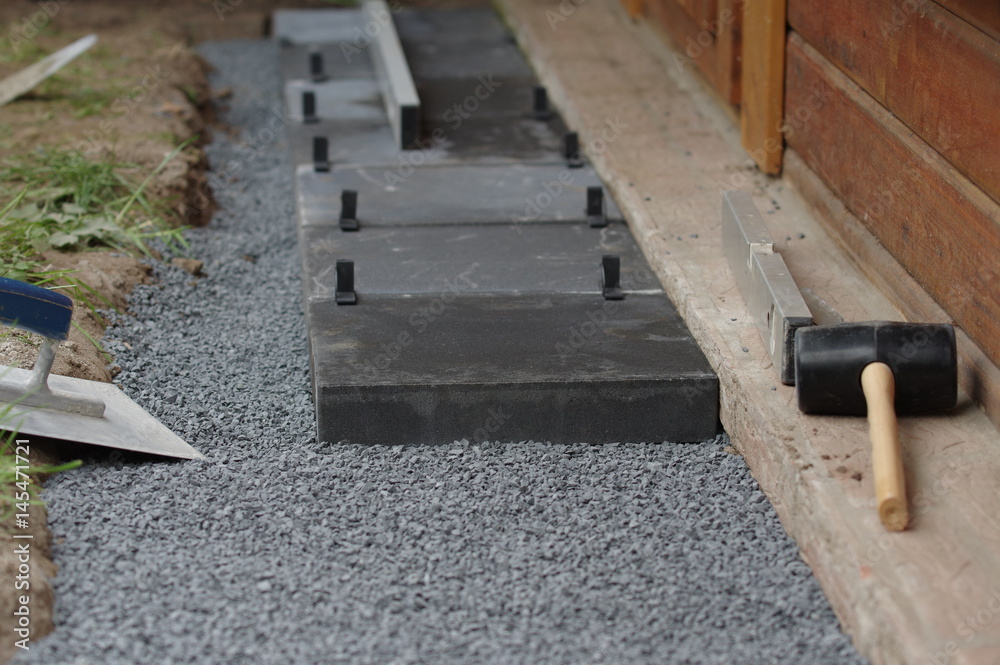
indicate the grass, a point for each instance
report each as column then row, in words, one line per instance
column 19, row 488
column 59, row 199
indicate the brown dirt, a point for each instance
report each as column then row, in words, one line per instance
column 134, row 97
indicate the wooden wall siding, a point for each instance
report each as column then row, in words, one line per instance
column 706, row 32
column 633, row 7
column 984, row 14
column 937, row 73
column 941, row 227
column 762, row 86
column 702, row 11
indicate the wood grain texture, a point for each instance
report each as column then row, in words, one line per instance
column 942, row 228
column 633, row 7
column 983, row 14
column 763, row 72
column 707, row 35
column 939, row 75
column 729, row 55
column 903, row 597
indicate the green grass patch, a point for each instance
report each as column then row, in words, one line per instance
column 59, row 199
column 19, row 486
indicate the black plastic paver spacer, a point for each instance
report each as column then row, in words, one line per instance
column 316, row 72
column 611, row 277
column 321, row 154
column 541, row 110
column 571, row 150
column 309, row 108
column 595, row 207
column 349, row 210
column 345, row 283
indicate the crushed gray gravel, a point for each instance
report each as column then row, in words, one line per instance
column 281, row 549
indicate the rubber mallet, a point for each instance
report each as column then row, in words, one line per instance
column 880, row 369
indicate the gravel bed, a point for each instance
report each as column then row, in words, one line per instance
column 282, row 549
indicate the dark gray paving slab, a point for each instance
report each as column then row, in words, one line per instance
column 483, row 141
column 492, row 97
column 339, row 61
column 436, row 368
column 351, row 143
column 319, row 26
column 337, row 100
column 446, row 59
column 456, row 194
column 516, row 138
column 529, row 258
column 481, row 26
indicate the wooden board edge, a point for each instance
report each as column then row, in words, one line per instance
column 956, row 63
column 762, row 82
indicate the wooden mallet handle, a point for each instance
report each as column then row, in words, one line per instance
column 879, row 387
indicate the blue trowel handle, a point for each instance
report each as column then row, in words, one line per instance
column 35, row 309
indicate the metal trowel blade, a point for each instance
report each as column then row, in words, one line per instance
column 125, row 425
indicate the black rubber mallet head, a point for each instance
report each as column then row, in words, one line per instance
column 878, row 368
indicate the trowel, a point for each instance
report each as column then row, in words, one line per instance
column 21, row 82
column 61, row 407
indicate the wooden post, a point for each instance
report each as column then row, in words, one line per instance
column 633, row 8
column 763, row 82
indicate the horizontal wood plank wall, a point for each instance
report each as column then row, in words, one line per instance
column 936, row 72
column 941, row 227
column 984, row 14
column 706, row 32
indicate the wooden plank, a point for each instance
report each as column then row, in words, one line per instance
column 763, row 71
column 937, row 73
column 728, row 36
column 711, row 42
column 904, row 598
column 633, row 7
column 983, row 15
column 697, row 43
column 943, row 229
column 705, row 14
